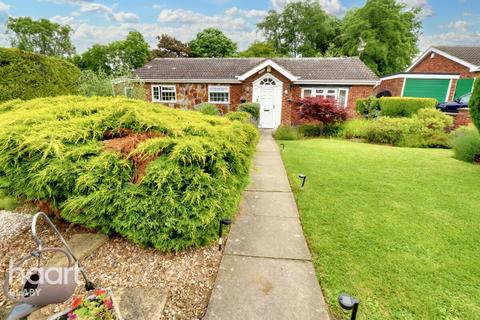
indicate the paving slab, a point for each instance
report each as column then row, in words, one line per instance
column 139, row 303
column 82, row 245
column 268, row 158
column 272, row 204
column 270, row 170
column 263, row 288
column 268, row 183
column 266, row 271
column 263, row 236
column 267, row 146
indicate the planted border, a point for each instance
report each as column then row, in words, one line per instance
column 156, row 175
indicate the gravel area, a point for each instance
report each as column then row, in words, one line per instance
column 12, row 222
column 188, row 277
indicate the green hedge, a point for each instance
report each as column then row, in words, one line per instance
column 426, row 129
column 404, row 107
column 466, row 144
column 26, row 75
column 196, row 166
column 252, row 108
column 368, row 108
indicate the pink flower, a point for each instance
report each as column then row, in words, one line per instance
column 72, row 316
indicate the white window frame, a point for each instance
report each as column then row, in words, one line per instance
column 160, row 87
column 337, row 92
column 224, row 88
column 125, row 91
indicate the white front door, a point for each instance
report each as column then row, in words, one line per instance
column 267, row 91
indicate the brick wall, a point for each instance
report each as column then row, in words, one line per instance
column 462, row 118
column 395, row 86
column 453, row 87
column 358, row 92
column 440, row 64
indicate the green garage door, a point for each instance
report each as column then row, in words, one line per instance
column 464, row 86
column 427, row 88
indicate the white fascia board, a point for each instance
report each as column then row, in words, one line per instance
column 421, row 76
column 342, row 82
column 472, row 67
column 265, row 64
column 207, row 81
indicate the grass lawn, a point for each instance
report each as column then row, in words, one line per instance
column 399, row 228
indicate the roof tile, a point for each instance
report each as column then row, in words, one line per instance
column 351, row 68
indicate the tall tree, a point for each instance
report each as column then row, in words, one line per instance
column 117, row 57
column 301, row 29
column 259, row 49
column 95, row 59
column 169, row 47
column 131, row 53
column 389, row 33
column 212, row 43
column 40, row 36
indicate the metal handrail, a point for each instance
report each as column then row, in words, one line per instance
column 88, row 284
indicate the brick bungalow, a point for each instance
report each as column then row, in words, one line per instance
column 441, row 72
column 274, row 83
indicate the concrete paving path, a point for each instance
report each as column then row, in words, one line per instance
column 266, row 271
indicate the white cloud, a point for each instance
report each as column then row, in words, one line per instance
column 425, row 7
column 460, row 25
column 449, row 38
column 4, row 7
column 330, row 6
column 238, row 25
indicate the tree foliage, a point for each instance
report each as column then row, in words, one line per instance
column 40, row 36
column 474, row 104
column 116, row 57
column 259, row 49
column 212, row 43
column 302, row 28
column 321, row 110
column 389, row 31
column 27, row 75
column 169, row 47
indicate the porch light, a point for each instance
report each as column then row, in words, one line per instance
column 303, row 177
column 223, row 222
column 347, row 302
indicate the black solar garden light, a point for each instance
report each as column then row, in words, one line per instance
column 347, row 302
column 223, row 222
column 303, row 177
column 283, row 146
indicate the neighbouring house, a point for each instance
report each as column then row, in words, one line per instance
column 441, row 72
column 274, row 83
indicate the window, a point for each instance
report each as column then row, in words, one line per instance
column 218, row 94
column 339, row 94
column 164, row 93
column 268, row 82
column 129, row 92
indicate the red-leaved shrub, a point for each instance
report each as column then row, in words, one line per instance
column 321, row 109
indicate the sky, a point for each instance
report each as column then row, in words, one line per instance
column 452, row 22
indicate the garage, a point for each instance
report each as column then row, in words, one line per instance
column 427, row 88
column 464, row 86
